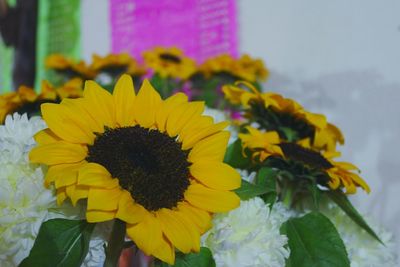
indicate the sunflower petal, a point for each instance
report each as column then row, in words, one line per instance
column 81, row 191
column 66, row 123
column 191, row 139
column 147, row 234
column 46, row 136
column 94, row 216
column 212, row 148
column 146, row 104
column 201, row 218
column 58, row 153
column 175, row 230
column 93, row 174
column 99, row 103
column 216, row 175
column 210, row 199
column 165, row 252
column 182, row 115
column 130, row 212
column 103, row 199
column 167, row 107
column 124, row 96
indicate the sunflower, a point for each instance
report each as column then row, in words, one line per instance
column 273, row 112
column 244, row 68
column 71, row 89
column 154, row 164
column 262, row 145
column 116, row 63
column 169, row 63
column 24, row 100
column 67, row 66
column 339, row 173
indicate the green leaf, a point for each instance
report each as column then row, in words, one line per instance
column 266, row 178
column 234, row 156
column 202, row 259
column 343, row 202
column 60, row 242
column 314, row 242
column 315, row 194
column 248, row 190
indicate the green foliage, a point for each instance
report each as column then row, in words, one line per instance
column 234, row 156
column 202, row 259
column 60, row 242
column 266, row 177
column 343, row 202
column 314, row 242
column 248, row 190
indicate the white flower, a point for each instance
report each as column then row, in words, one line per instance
column 249, row 236
column 363, row 250
column 24, row 202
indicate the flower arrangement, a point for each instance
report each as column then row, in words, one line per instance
column 193, row 165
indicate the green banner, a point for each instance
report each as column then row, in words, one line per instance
column 58, row 32
column 6, row 63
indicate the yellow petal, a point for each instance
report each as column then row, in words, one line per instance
column 93, row 174
column 103, row 199
column 61, row 196
column 146, row 104
column 212, row 148
column 94, row 216
column 175, row 230
column 167, row 107
column 46, row 136
column 124, row 96
column 129, row 211
column 99, row 103
column 58, row 153
column 216, row 175
column 66, row 123
column 80, row 192
column 210, row 199
column 191, row 139
column 191, row 227
column 58, row 172
column 201, row 218
column 182, row 115
column 147, row 234
column 165, row 252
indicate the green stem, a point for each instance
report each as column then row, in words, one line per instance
column 288, row 196
column 115, row 244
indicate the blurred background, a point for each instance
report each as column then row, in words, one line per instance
column 340, row 58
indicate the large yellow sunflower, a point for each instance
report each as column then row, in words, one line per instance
column 169, row 62
column 154, row 164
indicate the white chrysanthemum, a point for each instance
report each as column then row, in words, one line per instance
column 24, row 202
column 249, row 236
column 363, row 250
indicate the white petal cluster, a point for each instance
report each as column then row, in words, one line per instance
column 24, row 202
column 363, row 250
column 249, row 236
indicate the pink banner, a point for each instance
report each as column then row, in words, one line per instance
column 201, row 28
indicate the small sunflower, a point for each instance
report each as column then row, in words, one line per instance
column 262, row 145
column 71, row 89
column 273, row 112
column 116, row 63
column 24, row 100
column 154, row 164
column 70, row 68
column 169, row 63
column 339, row 173
column 244, row 68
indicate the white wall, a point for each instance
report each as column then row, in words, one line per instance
column 338, row 57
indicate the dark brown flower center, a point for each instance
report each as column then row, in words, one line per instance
column 149, row 164
column 170, row 58
column 307, row 156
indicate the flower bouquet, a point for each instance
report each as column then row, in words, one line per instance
column 190, row 165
